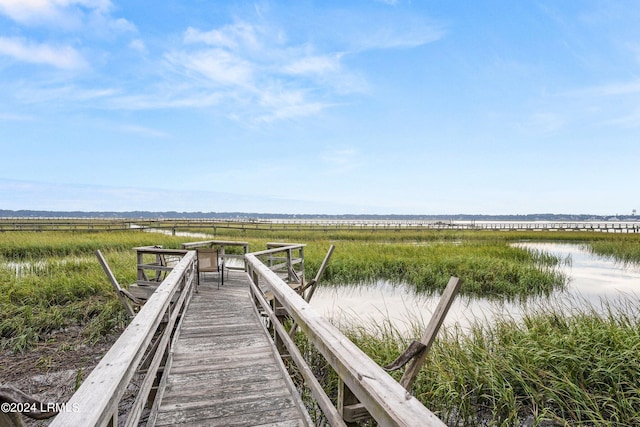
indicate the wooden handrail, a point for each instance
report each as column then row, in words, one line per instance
column 96, row 402
column 192, row 245
column 275, row 250
column 382, row 396
column 155, row 250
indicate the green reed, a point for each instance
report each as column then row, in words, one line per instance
column 51, row 281
column 567, row 364
column 626, row 248
column 487, row 268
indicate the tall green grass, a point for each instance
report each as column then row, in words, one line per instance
column 490, row 269
column 51, row 281
column 571, row 365
column 411, row 235
column 38, row 245
column 626, row 248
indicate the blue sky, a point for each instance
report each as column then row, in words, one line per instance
column 365, row 106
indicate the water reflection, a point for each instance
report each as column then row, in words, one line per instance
column 591, row 276
column 590, row 280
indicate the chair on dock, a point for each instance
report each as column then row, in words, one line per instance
column 208, row 262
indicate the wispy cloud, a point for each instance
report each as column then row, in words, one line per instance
column 614, row 102
column 258, row 70
column 63, row 57
column 540, row 123
column 11, row 117
column 237, row 36
column 138, row 45
column 318, row 64
column 340, row 160
column 143, row 131
column 171, row 98
column 392, row 37
column 263, row 77
column 65, row 14
column 287, row 104
column 611, row 89
column 216, row 65
column 35, row 94
column 630, row 120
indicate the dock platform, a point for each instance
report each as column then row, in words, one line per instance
column 224, row 368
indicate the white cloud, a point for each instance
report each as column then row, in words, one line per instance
column 623, row 88
column 11, row 117
column 253, row 69
column 262, row 77
column 612, row 89
column 217, row 65
column 30, row 93
column 138, row 45
column 143, row 131
column 63, row 57
column 237, row 36
column 314, row 65
column 32, row 11
column 631, row 120
column 393, row 37
column 66, row 14
column 171, row 98
column 540, row 123
column 279, row 104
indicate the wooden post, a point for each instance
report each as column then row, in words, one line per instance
column 430, row 333
column 278, row 309
column 289, row 265
column 346, row 401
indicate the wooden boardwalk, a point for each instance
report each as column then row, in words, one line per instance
column 224, row 369
column 207, row 359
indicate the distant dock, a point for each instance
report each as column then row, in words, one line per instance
column 219, row 225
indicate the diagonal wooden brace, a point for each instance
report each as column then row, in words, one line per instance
column 430, row 333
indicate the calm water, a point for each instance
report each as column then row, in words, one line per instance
column 590, row 279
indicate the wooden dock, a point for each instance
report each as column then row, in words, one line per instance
column 225, row 371
column 198, row 354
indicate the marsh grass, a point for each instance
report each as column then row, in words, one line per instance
column 489, row 269
column 573, row 365
column 568, row 363
column 50, row 281
column 625, row 249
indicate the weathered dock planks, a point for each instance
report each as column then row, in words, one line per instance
column 224, row 370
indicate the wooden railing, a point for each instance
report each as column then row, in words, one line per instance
column 286, row 260
column 365, row 388
column 140, row 354
column 154, row 263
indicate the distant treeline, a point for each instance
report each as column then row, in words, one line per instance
column 262, row 216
